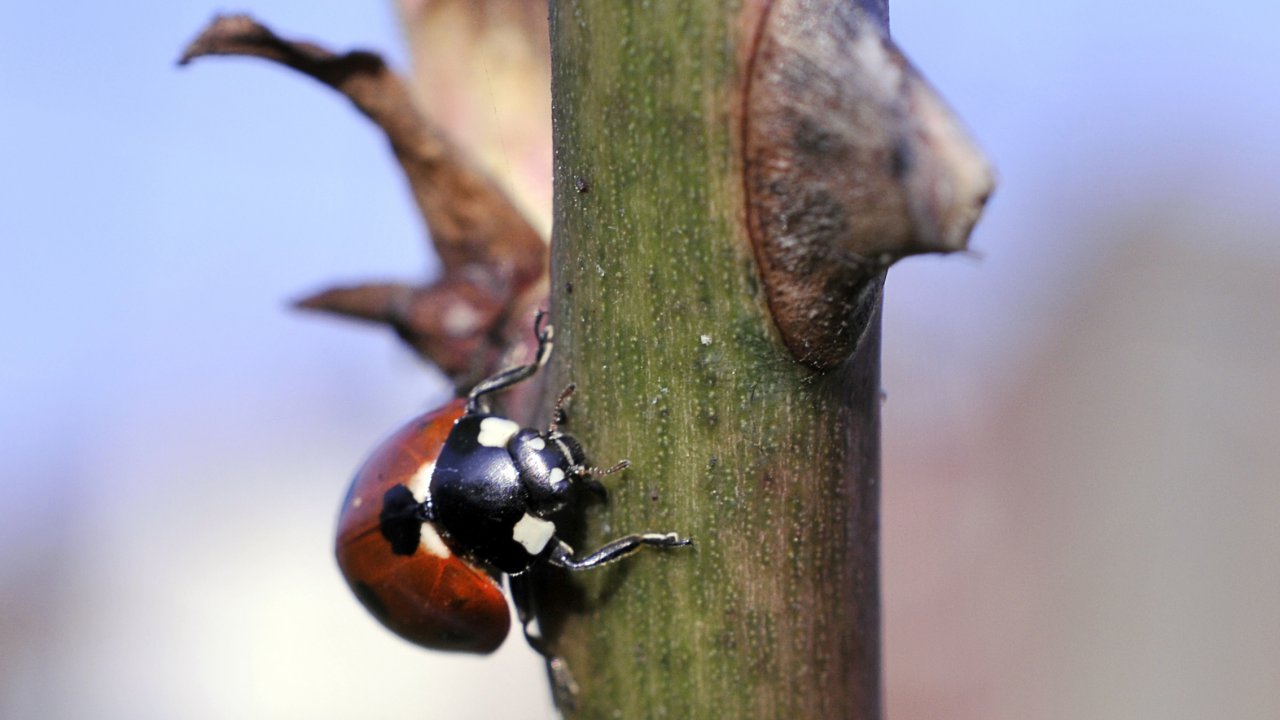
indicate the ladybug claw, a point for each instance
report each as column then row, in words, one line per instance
column 541, row 330
column 563, row 686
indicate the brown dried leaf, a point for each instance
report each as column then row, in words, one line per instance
column 452, row 322
column 484, row 67
column 494, row 262
column 471, row 221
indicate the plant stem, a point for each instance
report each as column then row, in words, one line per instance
column 771, row 467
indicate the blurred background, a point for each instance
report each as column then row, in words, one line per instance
column 1082, row 433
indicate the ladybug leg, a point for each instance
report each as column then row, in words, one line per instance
column 562, row 682
column 520, row 373
column 562, row 554
column 522, row 596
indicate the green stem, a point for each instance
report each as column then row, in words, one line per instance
column 660, row 320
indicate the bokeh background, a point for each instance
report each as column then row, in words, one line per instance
column 1082, row 433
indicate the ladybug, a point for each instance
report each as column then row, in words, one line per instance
column 456, row 498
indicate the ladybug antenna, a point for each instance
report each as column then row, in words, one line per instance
column 511, row 376
column 596, row 472
column 557, row 414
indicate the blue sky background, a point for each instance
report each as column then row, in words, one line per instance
column 174, row 437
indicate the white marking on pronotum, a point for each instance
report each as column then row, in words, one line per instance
column 557, row 476
column 432, row 542
column 537, row 443
column 564, row 449
column 533, row 533
column 496, row 431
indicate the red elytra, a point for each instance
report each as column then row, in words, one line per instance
column 443, row 603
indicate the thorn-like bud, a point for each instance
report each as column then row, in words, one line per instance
column 851, row 162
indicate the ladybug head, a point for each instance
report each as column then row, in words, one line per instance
column 549, row 464
column 570, row 450
column 538, row 455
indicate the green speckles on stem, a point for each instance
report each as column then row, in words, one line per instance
column 680, row 371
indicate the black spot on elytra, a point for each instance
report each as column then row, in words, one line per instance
column 401, row 520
